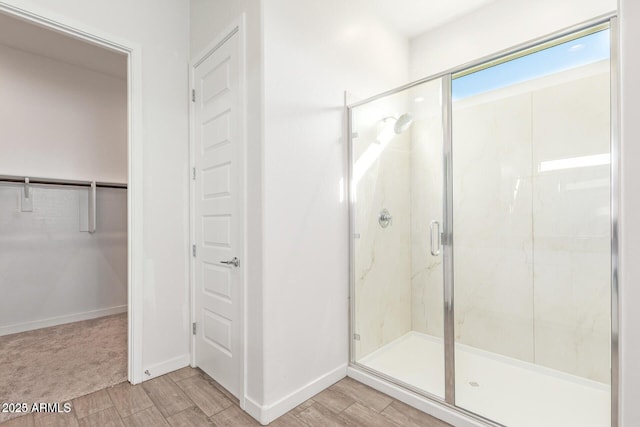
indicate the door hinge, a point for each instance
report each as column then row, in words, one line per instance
column 193, row 328
column 356, row 337
column 193, row 173
column 193, row 95
column 193, row 250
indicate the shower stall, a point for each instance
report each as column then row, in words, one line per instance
column 483, row 234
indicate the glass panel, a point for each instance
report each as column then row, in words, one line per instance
column 531, row 237
column 397, row 181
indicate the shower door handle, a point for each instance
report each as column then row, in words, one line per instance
column 435, row 249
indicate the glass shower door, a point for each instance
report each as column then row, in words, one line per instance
column 396, row 224
column 531, row 220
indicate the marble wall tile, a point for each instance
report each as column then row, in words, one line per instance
column 427, row 287
column 531, row 248
column 571, row 229
column 427, row 309
column 382, row 255
column 492, row 222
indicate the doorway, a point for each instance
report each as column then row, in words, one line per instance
column 218, row 211
column 107, row 207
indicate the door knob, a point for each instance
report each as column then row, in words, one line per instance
column 235, row 262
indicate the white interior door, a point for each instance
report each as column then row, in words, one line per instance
column 217, row 157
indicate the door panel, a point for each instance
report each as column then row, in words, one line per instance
column 218, row 215
column 397, row 217
column 531, row 221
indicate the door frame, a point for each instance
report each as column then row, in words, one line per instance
column 135, row 219
column 237, row 26
column 446, row 408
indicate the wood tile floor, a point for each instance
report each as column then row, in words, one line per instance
column 188, row 397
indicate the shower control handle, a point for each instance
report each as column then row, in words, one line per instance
column 384, row 218
column 435, row 249
column 235, row 262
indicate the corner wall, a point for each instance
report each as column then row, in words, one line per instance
column 298, row 70
column 313, row 52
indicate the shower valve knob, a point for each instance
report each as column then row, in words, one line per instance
column 384, row 218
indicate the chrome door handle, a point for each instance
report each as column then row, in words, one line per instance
column 235, row 262
column 435, row 251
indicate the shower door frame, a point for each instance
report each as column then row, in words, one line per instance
column 448, row 294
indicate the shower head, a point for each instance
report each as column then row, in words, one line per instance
column 389, row 127
column 403, row 123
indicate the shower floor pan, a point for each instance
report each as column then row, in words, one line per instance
column 506, row 390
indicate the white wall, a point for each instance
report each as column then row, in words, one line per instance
column 60, row 120
column 313, row 52
column 209, row 19
column 160, row 28
column 629, row 231
column 500, row 25
column 52, row 272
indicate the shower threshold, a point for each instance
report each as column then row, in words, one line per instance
column 503, row 389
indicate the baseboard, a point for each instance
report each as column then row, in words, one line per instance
column 254, row 409
column 268, row 413
column 60, row 320
column 152, row 371
column 436, row 409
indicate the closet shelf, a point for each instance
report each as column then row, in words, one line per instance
column 53, row 181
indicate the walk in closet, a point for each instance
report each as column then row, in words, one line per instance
column 63, row 214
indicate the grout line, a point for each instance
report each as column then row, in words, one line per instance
column 171, row 379
column 324, row 407
column 138, row 410
column 384, row 409
column 218, row 387
column 188, row 409
column 354, row 403
column 303, row 421
column 103, row 410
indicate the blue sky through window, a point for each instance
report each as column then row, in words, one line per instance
column 575, row 53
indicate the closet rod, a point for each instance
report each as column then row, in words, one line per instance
column 51, row 181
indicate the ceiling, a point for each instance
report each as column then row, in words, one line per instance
column 31, row 38
column 408, row 17
column 413, row 17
